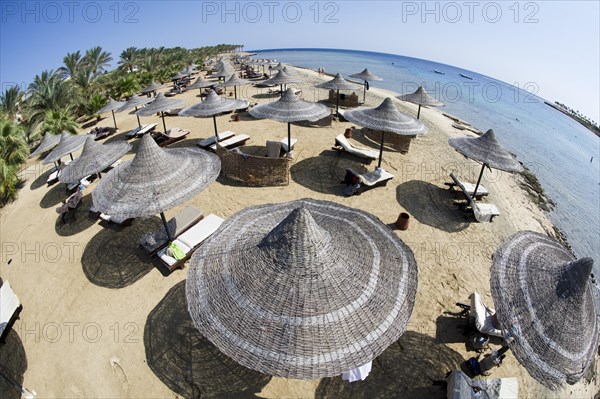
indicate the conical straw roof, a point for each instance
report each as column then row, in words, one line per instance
column 420, row 97
column 365, row 75
column 304, row 289
column 152, row 87
column 178, row 76
column 280, row 79
column 200, row 83
column 387, row 118
column 155, row 180
column 278, row 67
column 213, row 105
column 49, row 141
column 234, row 80
column 290, row 108
column 135, row 101
column 544, row 302
column 161, row 103
column 112, row 105
column 67, row 144
column 338, row 83
column 94, row 158
column 487, row 150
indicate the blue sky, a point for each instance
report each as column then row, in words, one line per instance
column 554, row 44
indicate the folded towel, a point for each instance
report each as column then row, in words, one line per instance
column 175, row 252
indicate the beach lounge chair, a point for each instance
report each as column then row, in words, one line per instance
column 342, row 144
column 10, row 307
column 211, row 140
column 357, row 183
column 171, row 136
column 470, row 187
column 284, row 143
column 140, row 131
column 483, row 317
column 483, row 212
column 153, row 241
column 83, row 182
column 55, row 173
column 232, row 142
column 189, row 241
column 460, row 386
column 104, row 218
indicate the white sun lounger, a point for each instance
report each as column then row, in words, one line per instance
column 483, row 316
column 189, row 241
column 376, row 178
column 235, row 141
column 344, row 145
column 470, row 187
column 460, row 386
column 284, row 143
column 9, row 303
column 56, row 173
column 483, row 212
column 140, row 131
column 211, row 140
column 108, row 218
column 153, row 241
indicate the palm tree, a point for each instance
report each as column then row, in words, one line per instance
column 9, row 101
column 13, row 152
column 128, row 58
column 95, row 104
column 126, row 86
column 97, row 59
column 48, row 92
column 56, row 122
column 72, row 63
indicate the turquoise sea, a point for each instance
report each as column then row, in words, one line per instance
column 553, row 146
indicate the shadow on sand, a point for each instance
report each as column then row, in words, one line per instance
column 409, row 368
column 113, row 259
column 76, row 220
column 54, row 196
column 187, row 362
column 13, row 363
column 430, row 205
column 324, row 173
column 41, row 171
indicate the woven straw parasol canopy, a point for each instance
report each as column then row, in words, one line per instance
column 212, row 106
column 152, row 87
column 304, row 289
column 178, row 76
column 160, row 104
column 67, row 144
column 281, row 78
column 49, row 142
column 544, row 301
column 111, row 106
column 488, row 151
column 135, row 101
column 234, row 81
column 200, row 83
column 367, row 76
column 386, row 118
column 94, row 158
column 420, row 97
column 278, row 67
column 290, row 108
column 338, row 83
column 155, row 180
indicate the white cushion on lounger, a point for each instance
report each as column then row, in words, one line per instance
column 9, row 303
column 352, row 149
column 201, row 231
column 374, row 177
column 211, row 139
column 284, row 143
column 232, row 141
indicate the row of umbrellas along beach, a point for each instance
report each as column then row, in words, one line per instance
column 309, row 289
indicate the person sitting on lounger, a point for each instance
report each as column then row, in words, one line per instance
column 485, row 318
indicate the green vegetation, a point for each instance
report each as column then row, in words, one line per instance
column 576, row 115
column 77, row 90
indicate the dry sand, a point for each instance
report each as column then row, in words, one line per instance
column 92, row 325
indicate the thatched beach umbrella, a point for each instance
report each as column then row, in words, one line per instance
column 160, row 104
column 234, row 81
column 488, row 151
column 367, row 76
column 386, row 118
column 111, row 106
column 67, row 144
column 135, row 101
column 280, row 79
column 544, row 302
column 50, row 141
column 94, row 158
column 290, row 108
column 152, row 87
column 338, row 83
column 212, row 106
column 420, row 97
column 200, row 83
column 304, row 289
column 178, row 76
column 155, row 180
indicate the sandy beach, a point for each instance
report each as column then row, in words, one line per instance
column 102, row 319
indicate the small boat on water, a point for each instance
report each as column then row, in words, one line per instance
column 440, row 72
column 465, row 76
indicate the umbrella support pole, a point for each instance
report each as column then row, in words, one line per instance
column 164, row 220
column 71, row 155
column 114, row 119
column 381, row 150
column 478, row 181
column 235, row 92
column 419, row 111
column 138, row 119
column 365, row 92
column 289, row 149
column 215, row 123
column 337, row 103
column 162, row 115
